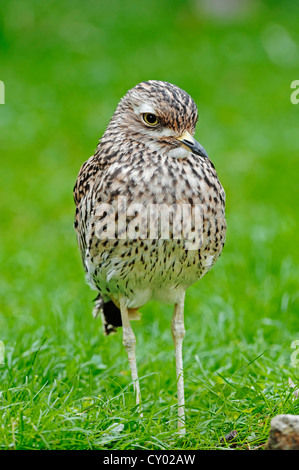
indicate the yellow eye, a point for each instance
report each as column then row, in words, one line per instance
column 150, row 119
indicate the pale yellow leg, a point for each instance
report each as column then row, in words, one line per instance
column 129, row 342
column 178, row 333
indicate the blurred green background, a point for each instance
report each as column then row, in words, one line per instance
column 65, row 65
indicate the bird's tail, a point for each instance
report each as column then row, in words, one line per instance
column 110, row 314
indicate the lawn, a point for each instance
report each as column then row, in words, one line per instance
column 63, row 385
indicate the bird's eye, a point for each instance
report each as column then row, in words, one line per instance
column 150, row 119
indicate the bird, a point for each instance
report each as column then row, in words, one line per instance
column 150, row 216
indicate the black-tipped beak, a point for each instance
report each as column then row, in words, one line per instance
column 192, row 144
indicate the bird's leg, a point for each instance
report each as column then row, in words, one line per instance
column 178, row 333
column 129, row 342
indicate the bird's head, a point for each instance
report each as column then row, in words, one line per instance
column 160, row 115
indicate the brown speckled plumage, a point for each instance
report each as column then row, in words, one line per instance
column 147, row 165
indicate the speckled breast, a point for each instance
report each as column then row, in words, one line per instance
column 156, row 226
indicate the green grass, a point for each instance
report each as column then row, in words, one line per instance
column 64, row 385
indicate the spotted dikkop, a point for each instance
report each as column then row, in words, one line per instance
column 150, row 214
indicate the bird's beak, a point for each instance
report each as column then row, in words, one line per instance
column 188, row 141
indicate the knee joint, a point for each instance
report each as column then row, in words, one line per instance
column 178, row 330
column 129, row 339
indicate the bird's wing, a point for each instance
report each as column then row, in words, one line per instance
column 86, row 177
column 91, row 169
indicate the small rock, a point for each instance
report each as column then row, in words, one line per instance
column 229, row 437
column 284, row 433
